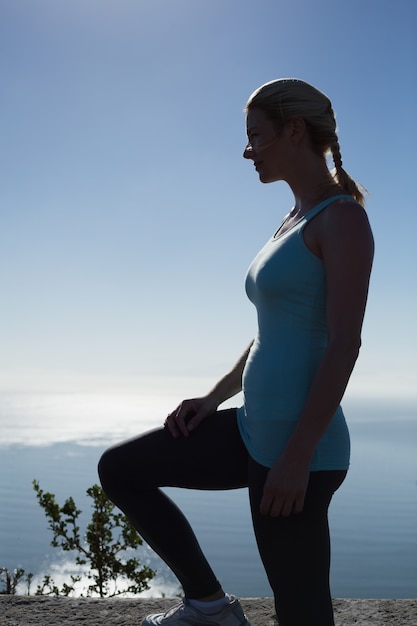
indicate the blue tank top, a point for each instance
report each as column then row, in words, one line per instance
column 286, row 283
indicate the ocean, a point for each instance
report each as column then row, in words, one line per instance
column 57, row 439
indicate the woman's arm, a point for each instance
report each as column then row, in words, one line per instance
column 190, row 413
column 346, row 246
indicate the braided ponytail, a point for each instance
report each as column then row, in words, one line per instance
column 342, row 177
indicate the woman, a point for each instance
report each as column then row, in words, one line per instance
column 288, row 443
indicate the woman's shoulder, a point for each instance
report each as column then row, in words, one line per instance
column 341, row 212
column 343, row 221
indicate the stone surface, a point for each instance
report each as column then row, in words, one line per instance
column 47, row 611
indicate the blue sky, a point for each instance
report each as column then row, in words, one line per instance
column 128, row 216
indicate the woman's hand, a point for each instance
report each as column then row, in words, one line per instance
column 285, row 488
column 189, row 414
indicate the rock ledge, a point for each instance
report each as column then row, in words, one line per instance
column 47, row 611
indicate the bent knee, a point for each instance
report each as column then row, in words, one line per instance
column 108, row 471
column 119, row 468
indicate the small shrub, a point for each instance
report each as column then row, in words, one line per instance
column 103, row 548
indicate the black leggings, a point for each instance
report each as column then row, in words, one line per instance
column 295, row 551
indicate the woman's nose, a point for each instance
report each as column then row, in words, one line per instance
column 248, row 152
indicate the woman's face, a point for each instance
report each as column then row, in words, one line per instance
column 266, row 147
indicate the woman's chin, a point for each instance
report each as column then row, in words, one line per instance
column 263, row 178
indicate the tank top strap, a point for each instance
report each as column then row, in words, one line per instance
column 322, row 205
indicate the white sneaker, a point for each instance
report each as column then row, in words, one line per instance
column 184, row 614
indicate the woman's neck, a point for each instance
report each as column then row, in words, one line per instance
column 312, row 183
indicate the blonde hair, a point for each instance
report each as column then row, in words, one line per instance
column 286, row 98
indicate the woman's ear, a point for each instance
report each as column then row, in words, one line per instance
column 297, row 129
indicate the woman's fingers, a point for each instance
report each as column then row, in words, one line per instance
column 178, row 422
column 188, row 416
